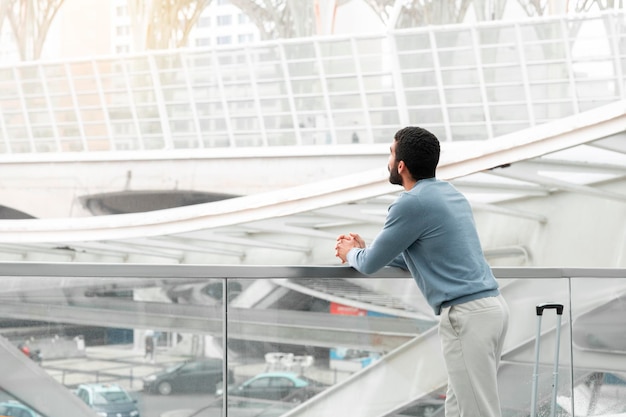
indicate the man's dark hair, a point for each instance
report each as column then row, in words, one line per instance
column 419, row 149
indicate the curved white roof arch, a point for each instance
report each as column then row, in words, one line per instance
column 459, row 160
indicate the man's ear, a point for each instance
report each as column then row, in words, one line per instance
column 401, row 167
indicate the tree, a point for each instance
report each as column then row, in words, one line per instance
column 163, row 24
column 489, row 9
column 5, row 6
column 433, row 12
column 543, row 7
column 30, row 21
column 417, row 13
column 280, row 18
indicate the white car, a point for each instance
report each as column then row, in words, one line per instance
column 108, row 400
column 14, row 408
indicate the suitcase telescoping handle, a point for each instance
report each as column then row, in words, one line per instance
column 546, row 306
column 555, row 375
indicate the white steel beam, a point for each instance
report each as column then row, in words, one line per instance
column 499, row 187
column 103, row 103
column 79, row 119
column 525, row 78
column 559, row 184
column 330, row 122
column 50, row 107
column 160, row 103
column 254, row 87
column 192, row 101
column 398, row 84
column 24, row 107
column 223, row 100
column 510, row 212
column 5, row 134
column 481, row 81
column 289, row 92
column 131, row 103
column 367, row 121
column 443, row 102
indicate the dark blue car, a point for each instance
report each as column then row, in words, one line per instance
column 199, row 375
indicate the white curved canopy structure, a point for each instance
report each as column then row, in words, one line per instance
column 579, row 154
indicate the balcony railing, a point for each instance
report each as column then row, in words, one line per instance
column 369, row 341
column 461, row 81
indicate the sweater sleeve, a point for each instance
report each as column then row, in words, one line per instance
column 399, row 262
column 399, row 232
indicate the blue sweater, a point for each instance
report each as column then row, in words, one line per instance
column 430, row 231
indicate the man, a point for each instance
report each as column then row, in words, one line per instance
column 430, row 231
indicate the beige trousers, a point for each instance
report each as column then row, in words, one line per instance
column 472, row 335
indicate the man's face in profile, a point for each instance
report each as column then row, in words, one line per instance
column 392, row 166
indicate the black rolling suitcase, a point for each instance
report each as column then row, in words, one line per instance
column 555, row 381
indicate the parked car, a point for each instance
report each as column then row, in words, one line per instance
column 199, row 375
column 108, row 400
column 16, row 409
column 277, row 386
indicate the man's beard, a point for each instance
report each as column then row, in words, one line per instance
column 394, row 176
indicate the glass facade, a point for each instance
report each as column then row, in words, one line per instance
column 463, row 82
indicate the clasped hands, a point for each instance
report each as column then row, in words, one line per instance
column 347, row 242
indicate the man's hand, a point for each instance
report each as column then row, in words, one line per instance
column 347, row 242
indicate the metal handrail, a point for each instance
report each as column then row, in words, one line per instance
column 186, row 271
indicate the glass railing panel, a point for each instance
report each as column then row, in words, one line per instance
column 599, row 346
column 349, row 333
column 292, row 340
column 127, row 347
column 343, row 362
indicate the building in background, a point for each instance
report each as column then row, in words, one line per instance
column 223, row 24
column 220, row 23
column 84, row 28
